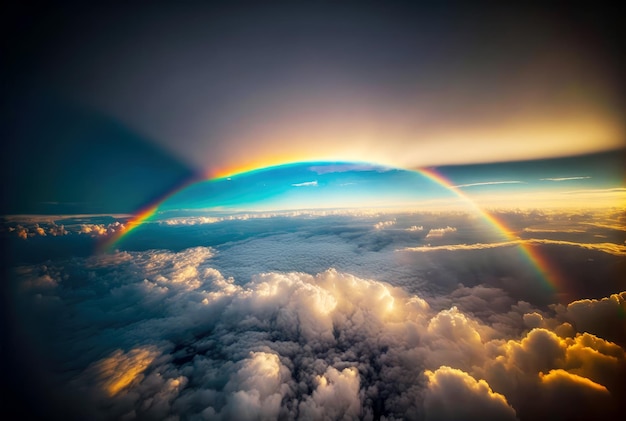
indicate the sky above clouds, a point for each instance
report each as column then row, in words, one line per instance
column 222, row 88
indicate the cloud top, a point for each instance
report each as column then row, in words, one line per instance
column 175, row 338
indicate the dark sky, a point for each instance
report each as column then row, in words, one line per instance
column 121, row 103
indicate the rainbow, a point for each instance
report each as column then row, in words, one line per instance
column 143, row 214
column 541, row 265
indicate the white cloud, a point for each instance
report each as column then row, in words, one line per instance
column 97, row 230
column 306, row 184
column 564, row 178
column 384, row 224
column 335, row 397
column 440, row 232
column 196, row 220
column 488, row 183
column 415, row 228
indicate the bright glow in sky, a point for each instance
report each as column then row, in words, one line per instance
column 318, row 185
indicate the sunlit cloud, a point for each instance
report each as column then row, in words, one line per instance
column 594, row 191
column 609, row 248
column 120, row 369
column 334, row 330
column 306, row 184
column 549, row 230
column 488, row 183
column 564, row 178
column 439, row 232
column 384, row 224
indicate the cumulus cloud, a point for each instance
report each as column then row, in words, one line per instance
column 603, row 317
column 453, row 395
column 20, row 231
column 97, row 230
column 335, row 397
column 160, row 334
column 415, row 228
column 440, row 232
column 384, row 224
column 26, row 230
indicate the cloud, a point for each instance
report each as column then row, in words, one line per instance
column 415, row 228
column 21, row 231
column 120, row 369
column 455, row 247
column 156, row 334
column 384, row 224
column 336, row 396
column 98, row 230
column 593, row 191
column 488, row 183
column 604, row 317
column 453, row 394
column 28, row 229
column 439, row 232
column 609, row 248
column 616, row 227
column 564, row 178
column 196, row 220
column 43, row 230
column 257, row 388
column 306, row 184
column 550, row 230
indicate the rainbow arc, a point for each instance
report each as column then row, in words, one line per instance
column 531, row 253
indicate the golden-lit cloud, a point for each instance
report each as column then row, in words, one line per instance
column 120, row 369
column 610, row 248
column 454, row 394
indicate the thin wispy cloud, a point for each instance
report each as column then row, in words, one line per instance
column 549, row 230
column 612, row 190
column 306, row 184
column 564, row 178
column 488, row 183
column 609, row 248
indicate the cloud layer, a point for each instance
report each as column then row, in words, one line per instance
column 159, row 335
